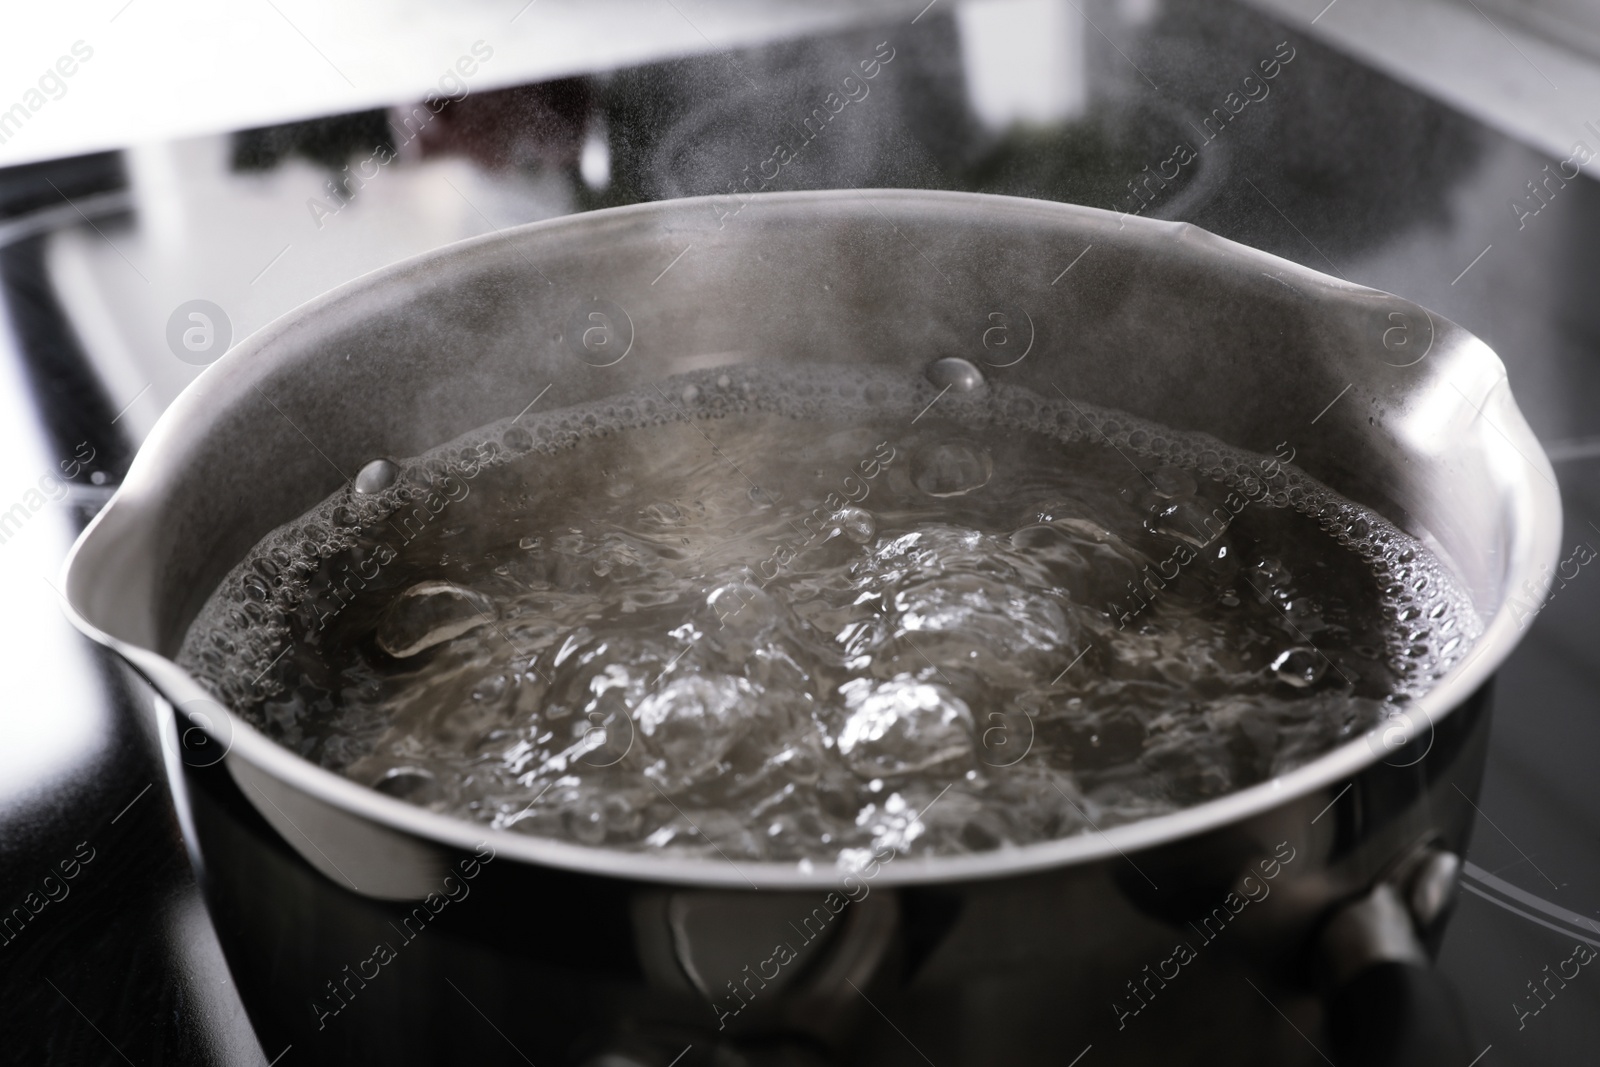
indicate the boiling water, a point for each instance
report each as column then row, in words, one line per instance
column 747, row 614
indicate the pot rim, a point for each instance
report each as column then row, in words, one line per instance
column 1532, row 542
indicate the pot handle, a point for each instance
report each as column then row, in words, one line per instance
column 1388, row 1006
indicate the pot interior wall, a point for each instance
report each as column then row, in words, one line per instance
column 1157, row 319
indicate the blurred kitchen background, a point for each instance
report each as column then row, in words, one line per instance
column 175, row 175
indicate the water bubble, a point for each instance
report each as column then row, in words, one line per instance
column 517, row 439
column 903, row 726
column 1300, row 667
column 857, row 524
column 956, row 374
column 692, row 721
column 429, row 614
column 736, row 613
column 376, row 476
column 952, row 468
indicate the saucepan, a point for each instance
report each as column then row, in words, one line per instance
column 1286, row 922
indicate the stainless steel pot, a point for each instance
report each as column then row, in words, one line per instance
column 553, row 952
